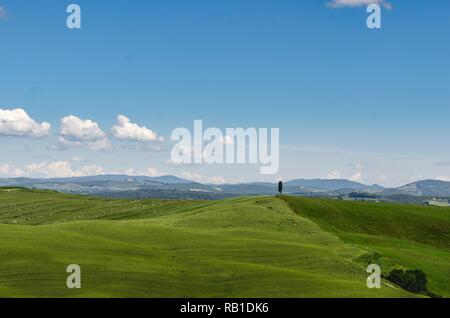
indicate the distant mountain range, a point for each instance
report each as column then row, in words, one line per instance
column 174, row 187
column 422, row 188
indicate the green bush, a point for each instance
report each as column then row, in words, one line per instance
column 411, row 280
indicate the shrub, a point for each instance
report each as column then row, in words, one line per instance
column 411, row 280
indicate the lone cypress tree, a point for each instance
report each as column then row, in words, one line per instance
column 280, row 186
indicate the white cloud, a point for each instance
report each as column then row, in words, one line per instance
column 124, row 129
column 76, row 132
column 102, row 144
column 152, row 172
column 56, row 169
column 357, row 177
column 90, row 170
column 149, row 172
column 62, row 169
column 192, row 176
column 10, row 171
column 217, row 180
column 196, row 177
column 75, row 129
column 129, row 172
column 16, row 122
column 358, row 3
column 35, row 168
column 333, row 175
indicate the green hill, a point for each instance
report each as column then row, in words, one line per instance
column 242, row 247
column 398, row 236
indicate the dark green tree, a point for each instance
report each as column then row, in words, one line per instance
column 280, row 187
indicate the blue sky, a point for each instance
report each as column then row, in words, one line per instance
column 371, row 105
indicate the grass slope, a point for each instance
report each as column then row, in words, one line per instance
column 242, row 247
column 37, row 207
column 395, row 236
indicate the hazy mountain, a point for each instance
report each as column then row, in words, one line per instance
column 171, row 180
column 174, row 187
column 331, row 184
column 423, row 188
column 119, row 185
column 100, row 178
column 122, row 178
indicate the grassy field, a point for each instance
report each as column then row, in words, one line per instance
column 242, row 247
column 396, row 236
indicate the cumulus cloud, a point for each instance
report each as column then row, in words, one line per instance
column 102, row 144
column 63, row 169
column 75, row 129
column 124, row 129
column 333, row 175
column 16, row 122
column 69, row 168
column 196, row 177
column 217, row 180
column 10, row 171
column 152, row 172
column 358, row 3
column 77, row 132
column 56, row 169
column 357, row 177
column 35, row 168
column 149, row 172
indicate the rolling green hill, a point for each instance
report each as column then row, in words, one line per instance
column 400, row 236
column 241, row 247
